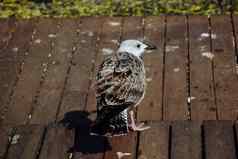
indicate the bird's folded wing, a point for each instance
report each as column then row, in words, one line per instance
column 119, row 80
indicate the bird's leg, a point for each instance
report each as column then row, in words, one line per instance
column 133, row 125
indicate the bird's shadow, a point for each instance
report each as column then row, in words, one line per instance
column 84, row 142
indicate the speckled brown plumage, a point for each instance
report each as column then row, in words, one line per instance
column 120, row 79
column 120, row 84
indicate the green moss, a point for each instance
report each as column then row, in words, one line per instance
column 71, row 8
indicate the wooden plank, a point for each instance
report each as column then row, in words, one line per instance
column 109, row 40
column 8, row 27
column 235, row 128
column 11, row 60
column 229, row 113
column 154, row 143
column 4, row 30
column 202, row 91
column 226, row 80
column 109, row 37
column 219, row 140
column 25, row 142
column 45, row 110
column 111, row 32
column 5, row 133
column 186, row 140
column 19, row 45
column 78, row 80
column 132, row 29
column 151, row 106
column 123, row 144
column 77, row 88
column 57, row 143
column 175, row 91
column 108, row 44
column 29, row 82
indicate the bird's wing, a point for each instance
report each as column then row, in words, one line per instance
column 120, row 80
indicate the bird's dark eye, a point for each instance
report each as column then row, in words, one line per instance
column 138, row 45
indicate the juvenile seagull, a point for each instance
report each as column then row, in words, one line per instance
column 120, row 86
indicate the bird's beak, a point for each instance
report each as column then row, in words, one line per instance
column 149, row 45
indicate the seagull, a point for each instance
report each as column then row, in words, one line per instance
column 120, row 87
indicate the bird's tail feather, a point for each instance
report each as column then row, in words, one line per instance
column 112, row 120
column 118, row 125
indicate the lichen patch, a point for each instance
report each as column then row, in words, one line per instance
column 208, row 55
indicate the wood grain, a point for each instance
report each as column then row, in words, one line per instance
column 11, row 59
column 132, row 28
column 202, row 92
column 57, row 143
column 78, row 80
column 186, row 140
column 5, row 134
column 225, row 76
column 151, row 106
column 219, row 140
column 30, row 78
column 175, row 85
column 8, row 27
column 123, row 144
column 25, row 142
column 45, row 109
column 154, row 143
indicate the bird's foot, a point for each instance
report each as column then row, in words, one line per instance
column 139, row 127
column 120, row 155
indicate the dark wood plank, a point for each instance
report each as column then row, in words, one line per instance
column 154, row 143
column 19, row 46
column 175, row 91
column 235, row 128
column 78, row 80
column 8, row 27
column 5, row 133
column 123, row 144
column 226, row 80
column 57, row 143
column 45, row 110
column 108, row 44
column 25, row 142
column 132, row 29
column 186, row 140
column 109, row 38
column 29, row 82
column 227, row 113
column 235, row 30
column 4, row 31
column 219, row 140
column 151, row 106
column 11, row 60
column 202, row 92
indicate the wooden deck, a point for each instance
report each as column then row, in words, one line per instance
column 47, row 68
column 166, row 140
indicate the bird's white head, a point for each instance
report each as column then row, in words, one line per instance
column 136, row 47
